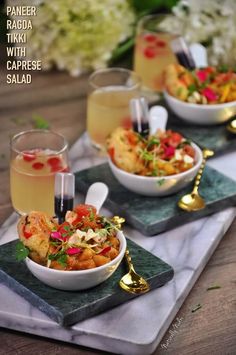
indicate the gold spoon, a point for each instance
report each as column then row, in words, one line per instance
column 193, row 201
column 132, row 282
column 231, row 126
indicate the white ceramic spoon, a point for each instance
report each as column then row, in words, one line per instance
column 96, row 195
column 199, row 54
column 158, row 117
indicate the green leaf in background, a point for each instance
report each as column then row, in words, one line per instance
column 122, row 55
column 40, row 122
column 151, row 5
column 21, row 251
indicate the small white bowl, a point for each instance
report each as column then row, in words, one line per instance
column 157, row 186
column 201, row 114
column 77, row 280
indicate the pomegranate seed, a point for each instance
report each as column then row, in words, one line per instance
column 54, row 161
column 149, row 52
column 65, row 170
column 149, row 38
column 29, row 157
column 38, row 166
column 56, row 168
column 160, row 43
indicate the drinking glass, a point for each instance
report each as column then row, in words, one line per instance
column 152, row 51
column 108, row 102
column 36, row 155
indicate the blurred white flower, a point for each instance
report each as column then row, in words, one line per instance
column 210, row 22
column 77, row 35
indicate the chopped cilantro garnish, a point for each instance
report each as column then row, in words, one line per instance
column 145, row 155
column 192, row 88
column 62, row 260
column 91, row 215
column 60, row 257
column 21, row 251
column 185, row 142
column 223, row 68
column 153, row 141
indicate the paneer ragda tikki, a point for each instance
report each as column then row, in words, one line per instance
column 165, row 153
column 85, row 240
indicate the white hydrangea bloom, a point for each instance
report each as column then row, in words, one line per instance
column 211, row 22
column 77, row 35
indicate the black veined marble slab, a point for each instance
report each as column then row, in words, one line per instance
column 69, row 307
column 152, row 215
column 215, row 137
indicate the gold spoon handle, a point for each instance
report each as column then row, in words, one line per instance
column 206, row 154
column 129, row 260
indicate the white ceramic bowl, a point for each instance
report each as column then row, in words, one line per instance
column 201, row 114
column 157, row 186
column 77, row 280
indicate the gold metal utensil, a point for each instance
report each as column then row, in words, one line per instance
column 132, row 282
column 118, row 221
column 231, row 126
column 193, row 201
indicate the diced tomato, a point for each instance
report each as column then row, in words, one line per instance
column 111, row 152
column 61, row 228
column 189, row 150
column 175, row 139
column 84, row 211
column 132, row 138
column 26, row 232
column 149, row 52
column 38, row 166
column 88, row 223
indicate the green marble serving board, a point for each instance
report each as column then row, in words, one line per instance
column 214, row 137
column 69, row 307
column 152, row 215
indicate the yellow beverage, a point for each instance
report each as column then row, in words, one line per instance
column 32, row 180
column 107, row 109
column 152, row 55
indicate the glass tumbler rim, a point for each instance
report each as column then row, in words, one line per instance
column 22, row 133
column 146, row 18
column 114, row 69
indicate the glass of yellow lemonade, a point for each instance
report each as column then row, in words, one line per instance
column 36, row 155
column 152, row 51
column 108, row 102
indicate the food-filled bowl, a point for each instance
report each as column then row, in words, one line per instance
column 205, row 96
column 37, row 232
column 152, row 185
column 199, row 113
column 81, row 279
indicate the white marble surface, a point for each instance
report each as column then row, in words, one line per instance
column 137, row 326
